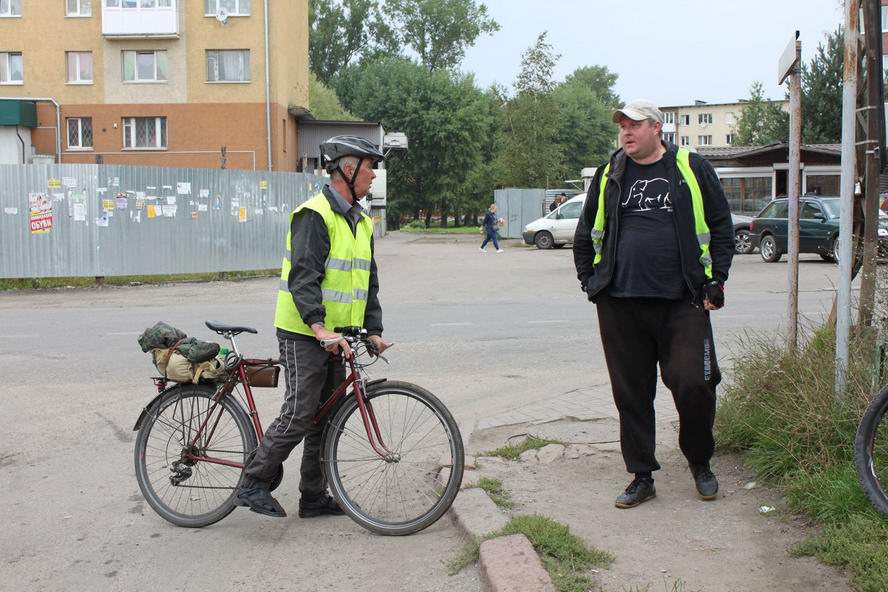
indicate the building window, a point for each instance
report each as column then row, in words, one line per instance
column 80, row 134
column 704, row 118
column 669, row 137
column 729, row 139
column 730, row 118
column 11, row 68
column 668, row 117
column 228, row 65
column 704, row 140
column 884, row 19
column 78, row 8
column 684, row 119
column 142, row 4
column 144, row 132
column 10, row 8
column 80, row 67
column 231, row 7
column 685, row 141
column 144, row 66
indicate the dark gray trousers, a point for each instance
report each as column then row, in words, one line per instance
column 639, row 333
column 311, row 375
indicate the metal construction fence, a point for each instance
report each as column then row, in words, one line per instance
column 518, row 207
column 104, row 220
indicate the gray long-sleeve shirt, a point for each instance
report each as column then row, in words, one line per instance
column 309, row 248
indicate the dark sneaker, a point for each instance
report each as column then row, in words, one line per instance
column 639, row 491
column 318, row 506
column 704, row 479
column 260, row 500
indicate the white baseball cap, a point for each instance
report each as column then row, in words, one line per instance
column 639, row 110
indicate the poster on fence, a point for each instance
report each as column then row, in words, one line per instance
column 41, row 213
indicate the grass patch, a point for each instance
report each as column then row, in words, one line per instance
column 421, row 229
column 675, row 586
column 125, row 280
column 565, row 556
column 496, row 492
column 780, row 411
column 513, row 451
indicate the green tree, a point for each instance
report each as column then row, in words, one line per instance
column 340, row 32
column 439, row 31
column 585, row 102
column 446, row 119
column 323, row 102
column 762, row 121
column 532, row 156
column 822, row 92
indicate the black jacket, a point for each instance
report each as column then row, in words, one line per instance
column 310, row 246
column 715, row 206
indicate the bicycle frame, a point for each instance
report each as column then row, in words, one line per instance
column 354, row 379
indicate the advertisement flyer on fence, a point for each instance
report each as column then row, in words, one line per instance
column 41, row 213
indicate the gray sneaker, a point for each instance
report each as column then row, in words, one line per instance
column 704, row 479
column 638, row 492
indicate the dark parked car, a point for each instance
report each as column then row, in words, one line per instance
column 742, row 239
column 818, row 228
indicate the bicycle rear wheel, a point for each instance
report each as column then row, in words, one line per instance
column 409, row 491
column 183, row 491
column 871, row 452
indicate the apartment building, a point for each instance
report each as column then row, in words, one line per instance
column 180, row 83
column 704, row 124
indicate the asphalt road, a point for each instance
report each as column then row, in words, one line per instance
column 485, row 331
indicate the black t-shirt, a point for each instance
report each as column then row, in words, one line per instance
column 648, row 263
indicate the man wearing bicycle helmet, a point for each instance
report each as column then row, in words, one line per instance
column 328, row 279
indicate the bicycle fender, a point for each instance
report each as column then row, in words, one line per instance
column 145, row 411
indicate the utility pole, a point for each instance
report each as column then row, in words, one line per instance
column 873, row 57
column 846, row 222
column 788, row 67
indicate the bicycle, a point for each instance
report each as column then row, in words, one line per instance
column 871, row 452
column 385, row 443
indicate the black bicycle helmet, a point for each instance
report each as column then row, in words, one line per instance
column 338, row 146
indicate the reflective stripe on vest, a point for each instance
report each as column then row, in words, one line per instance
column 682, row 160
column 346, row 283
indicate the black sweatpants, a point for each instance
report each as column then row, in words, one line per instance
column 638, row 333
column 311, row 375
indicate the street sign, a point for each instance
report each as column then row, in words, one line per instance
column 789, row 59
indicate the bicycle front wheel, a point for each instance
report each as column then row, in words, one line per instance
column 410, row 489
column 871, row 452
column 188, row 492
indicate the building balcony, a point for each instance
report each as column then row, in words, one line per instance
column 133, row 19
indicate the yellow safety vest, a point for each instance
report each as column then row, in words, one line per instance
column 682, row 160
column 346, row 274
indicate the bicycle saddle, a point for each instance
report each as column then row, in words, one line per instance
column 221, row 328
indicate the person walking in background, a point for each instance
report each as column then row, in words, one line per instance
column 652, row 249
column 490, row 225
column 557, row 202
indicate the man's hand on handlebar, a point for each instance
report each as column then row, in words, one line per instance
column 335, row 341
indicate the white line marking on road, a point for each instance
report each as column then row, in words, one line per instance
column 451, row 324
column 124, row 333
column 23, row 335
column 544, row 322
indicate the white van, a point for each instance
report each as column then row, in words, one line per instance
column 558, row 228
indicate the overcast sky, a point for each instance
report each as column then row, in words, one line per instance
column 671, row 52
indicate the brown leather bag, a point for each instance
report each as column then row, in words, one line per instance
column 263, row 376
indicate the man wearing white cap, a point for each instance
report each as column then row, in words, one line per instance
column 652, row 249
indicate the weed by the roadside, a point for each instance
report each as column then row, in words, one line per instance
column 676, row 586
column 496, row 492
column 565, row 556
column 513, row 451
column 123, row 280
column 419, row 227
column 858, row 544
column 782, row 412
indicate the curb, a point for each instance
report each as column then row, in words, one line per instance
column 507, row 563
